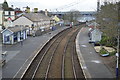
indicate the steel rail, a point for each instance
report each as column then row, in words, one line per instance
column 72, row 54
column 44, row 55
column 72, row 59
column 63, row 58
column 52, row 58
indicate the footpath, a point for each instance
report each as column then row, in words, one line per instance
column 19, row 56
column 91, row 63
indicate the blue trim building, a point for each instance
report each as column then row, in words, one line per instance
column 13, row 35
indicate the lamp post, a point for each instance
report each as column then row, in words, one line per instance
column 118, row 42
column 117, row 55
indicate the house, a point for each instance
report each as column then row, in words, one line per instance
column 33, row 22
column 12, row 35
column 55, row 18
column 7, row 13
column 18, row 12
column 95, row 35
column 1, row 17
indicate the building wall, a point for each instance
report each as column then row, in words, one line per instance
column 96, row 35
column 24, row 34
column 23, row 21
column 7, row 33
column 8, row 37
column 19, row 35
column 1, row 17
column 10, row 14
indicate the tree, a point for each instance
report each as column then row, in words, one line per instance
column 108, row 21
column 71, row 16
column 5, row 5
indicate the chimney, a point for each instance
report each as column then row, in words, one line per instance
column 46, row 12
column 35, row 10
column 28, row 9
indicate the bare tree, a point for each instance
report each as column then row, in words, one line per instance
column 71, row 15
column 108, row 19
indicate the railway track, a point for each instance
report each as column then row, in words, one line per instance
column 57, row 59
column 71, row 67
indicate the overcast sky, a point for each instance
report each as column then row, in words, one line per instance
column 59, row 5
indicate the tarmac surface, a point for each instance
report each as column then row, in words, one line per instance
column 92, row 65
column 20, row 55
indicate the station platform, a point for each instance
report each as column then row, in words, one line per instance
column 91, row 63
column 19, row 56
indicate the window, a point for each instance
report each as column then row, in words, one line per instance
column 7, row 38
column 6, row 13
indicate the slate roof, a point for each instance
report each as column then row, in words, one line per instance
column 14, row 29
column 36, row 17
column 8, row 9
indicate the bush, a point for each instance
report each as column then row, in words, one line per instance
column 103, row 51
column 104, row 40
column 113, row 53
column 108, row 41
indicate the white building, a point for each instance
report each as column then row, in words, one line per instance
column 33, row 21
column 9, row 13
column 1, row 17
column 95, row 35
column 12, row 35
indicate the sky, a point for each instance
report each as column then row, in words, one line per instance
column 55, row 5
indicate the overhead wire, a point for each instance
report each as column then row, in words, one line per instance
column 69, row 5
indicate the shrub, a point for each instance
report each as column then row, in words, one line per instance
column 103, row 51
column 108, row 41
column 104, row 40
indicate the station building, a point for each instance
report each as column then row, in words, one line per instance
column 12, row 35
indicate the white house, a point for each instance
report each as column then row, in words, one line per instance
column 95, row 35
column 9, row 13
column 12, row 35
column 33, row 21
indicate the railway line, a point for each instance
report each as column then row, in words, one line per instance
column 57, row 59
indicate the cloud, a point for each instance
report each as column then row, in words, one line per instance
column 83, row 5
